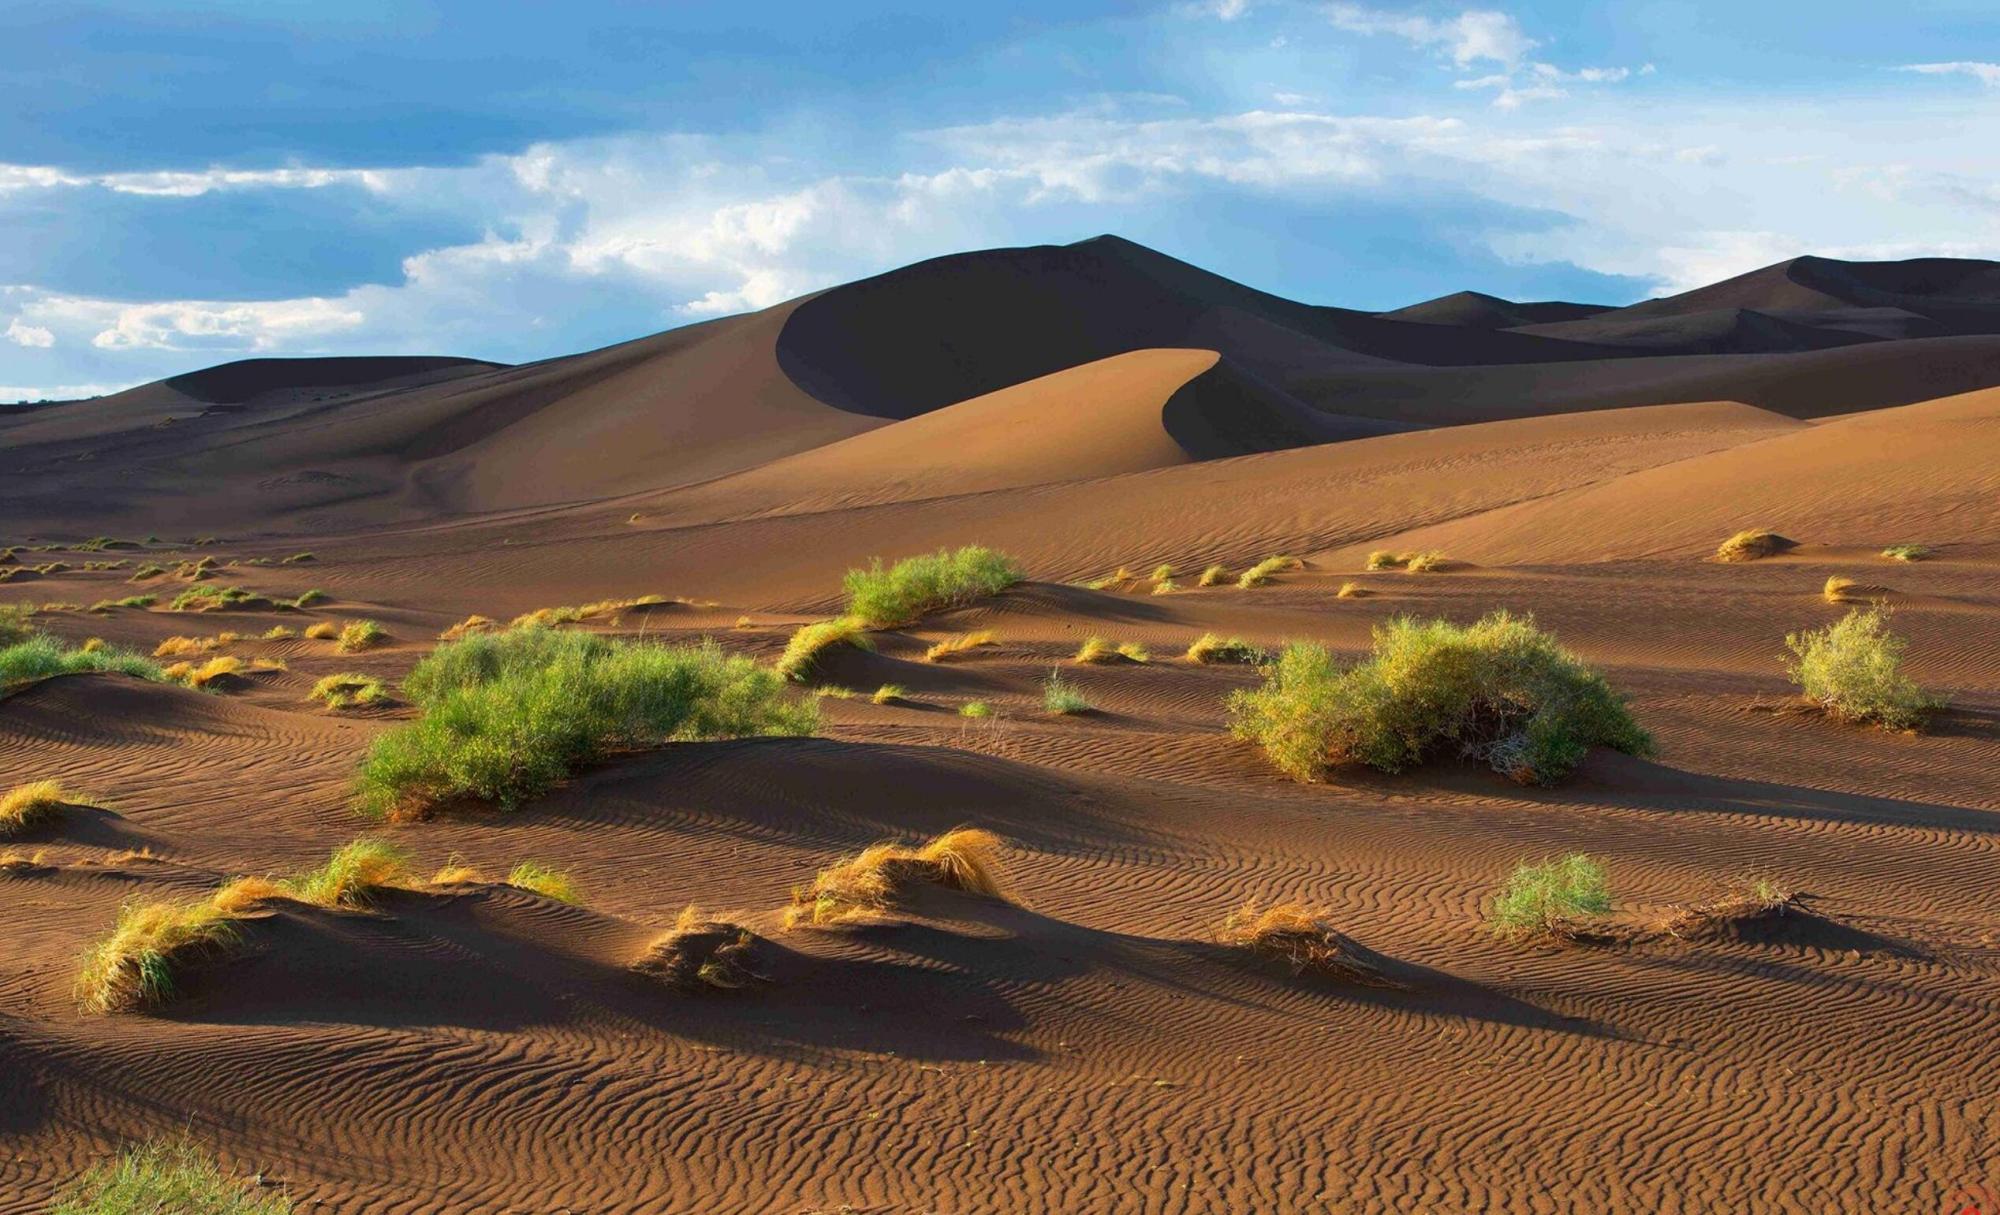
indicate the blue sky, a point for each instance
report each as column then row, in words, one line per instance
column 186, row 183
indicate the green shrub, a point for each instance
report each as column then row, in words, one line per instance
column 1500, row 690
column 41, row 656
column 505, row 717
column 1551, row 897
column 16, row 623
column 806, row 645
column 1853, row 669
column 169, row 1178
column 886, row 598
column 307, row 598
column 346, row 690
column 207, row 597
column 1906, row 552
column 1059, row 695
column 975, row 708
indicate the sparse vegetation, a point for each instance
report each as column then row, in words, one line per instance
column 1301, row 938
column 1847, row 590
column 1853, row 671
column 1425, row 562
column 887, row 598
column 325, row 630
column 1752, row 544
column 168, row 1178
column 1500, row 690
column 129, row 601
column 507, row 716
column 307, row 598
column 1132, row 651
column 42, row 657
column 147, row 571
column 468, row 626
column 1383, row 559
column 889, row 693
column 1061, row 696
column 133, row 966
column 1165, row 586
column 702, row 952
column 351, row 878
column 812, row 640
column 884, row 876
column 1265, row 570
column 1350, row 590
column 549, row 882
column 207, row 597
column 1098, row 650
column 1553, row 898
column 201, row 677
column 278, row 632
column 297, row 558
column 1211, row 648
column 954, row 647
column 1214, row 575
column 1906, row 552
column 1742, row 903
column 975, row 708
column 360, row 635
column 603, row 609
column 16, row 623
column 347, row 690
column 30, row 805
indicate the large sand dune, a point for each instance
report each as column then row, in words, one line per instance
column 1086, row 1045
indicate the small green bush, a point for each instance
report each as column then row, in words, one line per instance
column 1551, row 897
column 975, row 708
column 1500, row 690
column 886, row 598
column 1059, row 695
column 507, row 716
column 1853, row 669
column 16, row 623
column 41, row 657
column 168, row 1178
column 360, row 635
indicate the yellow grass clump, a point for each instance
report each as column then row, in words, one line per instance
column 325, row 630
column 360, row 635
column 34, row 803
column 351, row 878
column 1425, row 562
column 889, row 693
column 952, row 647
column 468, row 626
column 347, row 690
column 884, row 876
column 181, row 647
column 1742, row 903
column 1751, row 544
column 133, row 966
column 702, row 952
column 1350, row 590
column 1383, row 559
column 1300, row 937
column 1211, row 648
column 1214, row 575
column 550, row 883
column 210, row 671
column 806, row 645
column 1265, row 570
column 278, row 632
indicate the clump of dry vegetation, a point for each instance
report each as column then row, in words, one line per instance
column 1558, row 898
column 351, row 879
column 168, row 1178
column 1414, row 563
column 202, row 677
column 702, row 953
column 975, row 709
column 1299, row 937
column 1906, row 552
column 883, row 877
column 206, row 597
column 297, row 558
column 348, row 690
column 1751, row 544
column 133, row 966
column 325, row 630
column 1743, row 903
column 182, row 647
column 27, row 806
column 604, row 609
column 1350, row 590
column 890, row 693
column 1214, row 575
column 545, row 880
column 888, row 598
column 1500, row 690
column 957, row 646
column 1211, row 648
column 1852, row 670
column 468, row 626
column 812, row 640
column 360, row 635
column 129, row 601
column 278, row 632
column 1847, row 590
column 1268, row 568
column 1098, row 650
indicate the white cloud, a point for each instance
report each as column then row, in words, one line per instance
column 17, row 393
column 201, row 325
column 1987, row 74
column 187, row 184
column 28, row 335
column 1221, row 10
column 1473, row 36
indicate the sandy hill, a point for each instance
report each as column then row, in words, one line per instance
column 1477, row 310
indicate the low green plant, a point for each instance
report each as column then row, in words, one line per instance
column 1061, row 696
column 297, row 558
column 975, row 708
column 1553, row 897
column 812, row 640
column 546, row 881
column 1500, row 690
column 360, row 635
column 902, row 593
column 307, row 598
column 352, row 877
column 1906, row 552
column 16, row 623
column 42, row 657
column 173, row 1177
column 347, row 690
column 130, row 601
column 505, row 717
column 1853, row 670
column 207, row 597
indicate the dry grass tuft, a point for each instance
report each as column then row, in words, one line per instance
column 883, row 877
column 133, row 967
column 1752, row 544
column 15, row 863
column 1425, row 562
column 1906, row 552
column 1351, row 590
column 1383, row 559
column 812, row 640
column 278, row 632
column 550, row 883
column 702, row 953
column 351, row 878
column 889, row 693
column 952, row 647
column 1747, row 902
column 181, row 647
column 1265, row 570
column 1300, row 937
column 347, row 690
column 360, row 635
column 1214, row 575
column 219, row 667
column 975, row 709
column 325, row 630
column 1211, row 648
column 37, row 802
column 468, row 626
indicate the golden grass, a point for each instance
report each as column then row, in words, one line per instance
column 1265, row 570
column 1163, row 573
column 208, row 672
column 550, row 883
column 1751, row 544
column 455, row 872
column 278, row 632
column 889, row 693
column 1301, row 937
column 604, row 609
column 91, row 645
column 1096, row 649
column 1211, row 648
column 468, row 626
column 1165, row 586
column 16, row 863
column 812, row 640
column 1350, row 590
column 181, row 647
column 1132, row 651
column 325, row 630
column 133, row 966
column 351, row 878
column 883, row 876
column 952, row 647
column 1906, row 552
column 1425, row 562
column 35, row 803
column 346, row 690
column 975, row 708
column 360, row 635
column 1383, row 559
column 1214, row 575
column 702, row 952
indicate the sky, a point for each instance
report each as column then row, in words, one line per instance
column 187, row 182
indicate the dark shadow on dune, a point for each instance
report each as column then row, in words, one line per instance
column 1058, row 599
column 1954, row 721
column 88, row 825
